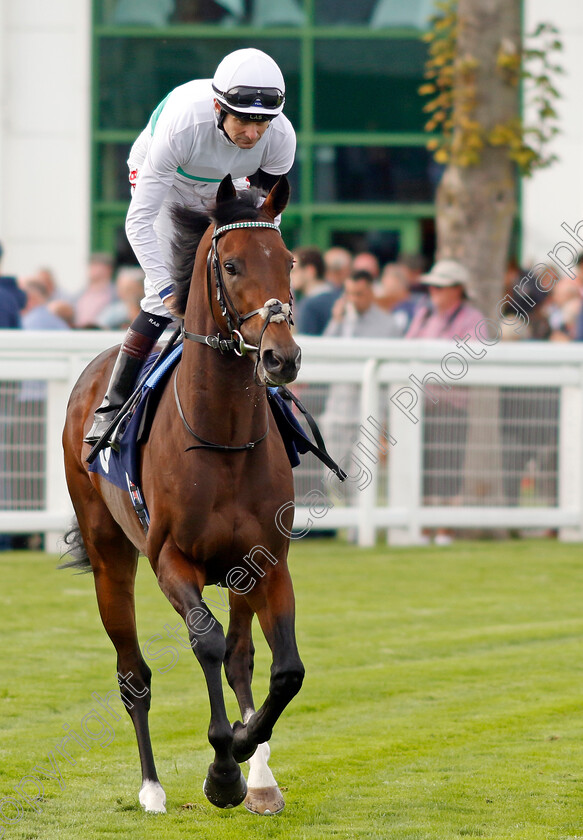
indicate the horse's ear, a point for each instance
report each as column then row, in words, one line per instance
column 226, row 190
column 277, row 200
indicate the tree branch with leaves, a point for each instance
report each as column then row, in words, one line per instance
column 492, row 115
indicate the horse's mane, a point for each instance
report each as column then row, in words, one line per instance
column 190, row 226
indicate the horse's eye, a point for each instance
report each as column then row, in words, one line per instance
column 230, row 268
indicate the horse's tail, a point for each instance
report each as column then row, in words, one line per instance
column 76, row 549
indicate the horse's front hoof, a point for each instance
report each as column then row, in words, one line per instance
column 152, row 798
column 225, row 790
column 264, row 801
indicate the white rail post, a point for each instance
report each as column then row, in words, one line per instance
column 405, row 469
column 57, row 496
column 368, row 496
column 570, row 457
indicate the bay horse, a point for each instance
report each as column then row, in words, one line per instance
column 214, row 475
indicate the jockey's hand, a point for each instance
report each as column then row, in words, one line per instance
column 169, row 303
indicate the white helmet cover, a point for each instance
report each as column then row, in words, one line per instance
column 248, row 83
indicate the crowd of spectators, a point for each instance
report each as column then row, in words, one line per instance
column 322, row 285
column 110, row 298
column 404, row 289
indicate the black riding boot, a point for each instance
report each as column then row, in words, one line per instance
column 133, row 352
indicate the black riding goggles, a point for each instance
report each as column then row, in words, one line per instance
column 245, row 97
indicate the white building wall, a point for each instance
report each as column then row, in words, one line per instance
column 555, row 195
column 45, row 137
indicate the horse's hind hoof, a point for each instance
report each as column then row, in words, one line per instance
column 224, row 792
column 264, row 801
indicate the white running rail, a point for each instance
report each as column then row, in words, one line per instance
column 496, row 443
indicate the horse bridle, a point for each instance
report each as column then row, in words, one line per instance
column 272, row 311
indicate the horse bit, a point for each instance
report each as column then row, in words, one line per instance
column 272, row 311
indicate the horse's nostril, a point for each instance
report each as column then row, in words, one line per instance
column 281, row 367
column 272, row 360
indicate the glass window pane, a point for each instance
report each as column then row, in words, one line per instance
column 112, row 181
column 369, row 86
column 374, row 13
column 291, row 231
column 372, row 173
column 343, row 12
column 294, row 178
column 385, row 242
column 160, row 13
column 135, row 74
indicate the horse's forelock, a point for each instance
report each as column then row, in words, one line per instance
column 244, row 206
column 191, row 225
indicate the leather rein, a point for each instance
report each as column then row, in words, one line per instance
column 273, row 310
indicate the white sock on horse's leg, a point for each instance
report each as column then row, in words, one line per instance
column 263, row 795
column 152, row 798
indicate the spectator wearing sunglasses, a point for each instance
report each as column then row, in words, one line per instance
column 203, row 130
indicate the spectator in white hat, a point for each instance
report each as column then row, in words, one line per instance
column 449, row 312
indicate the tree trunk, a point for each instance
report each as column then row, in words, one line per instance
column 476, row 204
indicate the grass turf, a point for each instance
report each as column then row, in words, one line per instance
column 442, row 700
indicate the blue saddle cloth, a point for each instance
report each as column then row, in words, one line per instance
column 123, row 468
